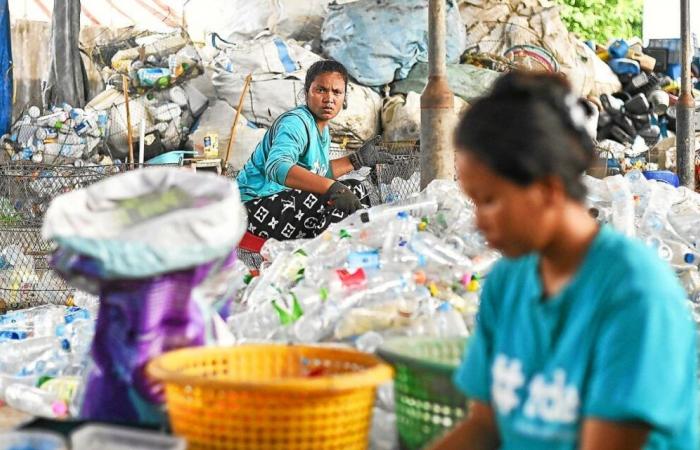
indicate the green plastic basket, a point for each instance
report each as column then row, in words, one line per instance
column 427, row 402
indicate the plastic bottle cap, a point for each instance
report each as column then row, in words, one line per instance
column 466, row 279
column 473, row 286
column 434, row 291
column 445, row 307
column 402, row 215
column 689, row 258
column 59, row 408
column 364, row 217
column 420, row 277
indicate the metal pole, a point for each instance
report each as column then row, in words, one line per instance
column 685, row 122
column 437, row 104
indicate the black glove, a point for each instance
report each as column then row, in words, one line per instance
column 369, row 155
column 342, row 198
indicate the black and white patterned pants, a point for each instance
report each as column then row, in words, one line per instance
column 295, row 214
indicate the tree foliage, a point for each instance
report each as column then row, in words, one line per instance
column 602, row 20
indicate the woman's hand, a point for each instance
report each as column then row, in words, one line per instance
column 369, row 155
column 342, row 198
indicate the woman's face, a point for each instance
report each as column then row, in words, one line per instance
column 325, row 96
column 514, row 219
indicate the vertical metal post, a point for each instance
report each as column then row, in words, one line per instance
column 685, row 110
column 437, row 104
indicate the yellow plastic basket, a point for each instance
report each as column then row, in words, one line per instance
column 270, row 396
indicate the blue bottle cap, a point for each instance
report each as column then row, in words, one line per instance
column 689, row 258
column 445, row 307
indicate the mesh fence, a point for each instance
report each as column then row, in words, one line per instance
column 394, row 182
column 26, row 190
column 25, row 277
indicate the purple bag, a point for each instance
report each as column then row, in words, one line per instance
column 137, row 321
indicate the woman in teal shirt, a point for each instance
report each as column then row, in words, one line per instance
column 583, row 339
column 289, row 184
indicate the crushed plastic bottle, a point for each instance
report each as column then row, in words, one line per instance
column 35, row 401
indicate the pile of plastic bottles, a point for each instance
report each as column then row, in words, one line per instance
column 159, row 69
column 408, row 268
column 59, row 134
column 665, row 217
column 44, row 357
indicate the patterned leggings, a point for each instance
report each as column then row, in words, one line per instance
column 295, row 214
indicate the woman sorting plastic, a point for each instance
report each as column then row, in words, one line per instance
column 583, row 339
column 289, row 184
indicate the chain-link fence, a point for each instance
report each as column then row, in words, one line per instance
column 26, row 280
column 26, row 190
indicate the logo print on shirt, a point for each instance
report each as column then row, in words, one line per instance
column 552, row 402
column 310, row 201
column 288, row 230
column 288, row 204
column 261, row 214
column 507, row 379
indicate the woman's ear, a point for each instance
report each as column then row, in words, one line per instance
column 553, row 190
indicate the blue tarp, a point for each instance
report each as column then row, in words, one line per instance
column 379, row 41
column 6, row 68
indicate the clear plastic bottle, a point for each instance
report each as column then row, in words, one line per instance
column 399, row 230
column 417, row 207
column 384, row 435
column 622, row 205
column 369, row 342
column 677, row 254
column 449, row 323
column 35, row 401
column 18, row 354
column 434, row 250
column 317, row 324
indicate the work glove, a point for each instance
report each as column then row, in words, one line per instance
column 369, row 155
column 342, row 198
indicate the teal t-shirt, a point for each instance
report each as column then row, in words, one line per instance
column 617, row 343
column 293, row 139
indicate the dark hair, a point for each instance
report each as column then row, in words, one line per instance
column 324, row 66
column 526, row 129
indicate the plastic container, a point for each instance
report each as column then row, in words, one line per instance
column 664, row 176
column 173, row 157
column 618, row 49
column 427, row 402
column 107, row 437
column 625, row 66
column 270, row 396
column 32, row 440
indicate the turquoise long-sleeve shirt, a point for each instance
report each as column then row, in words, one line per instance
column 293, row 139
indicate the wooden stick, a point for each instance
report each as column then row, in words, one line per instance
column 248, row 79
column 130, row 137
